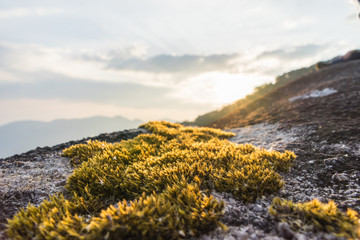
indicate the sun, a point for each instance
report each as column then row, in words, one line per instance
column 220, row 88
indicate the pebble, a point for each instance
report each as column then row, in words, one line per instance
column 340, row 177
column 285, row 231
column 229, row 238
column 257, row 208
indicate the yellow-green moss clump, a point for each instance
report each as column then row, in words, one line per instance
column 317, row 216
column 154, row 186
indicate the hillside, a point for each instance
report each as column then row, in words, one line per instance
column 262, row 94
column 285, row 104
column 209, row 118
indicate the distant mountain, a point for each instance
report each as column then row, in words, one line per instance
column 18, row 137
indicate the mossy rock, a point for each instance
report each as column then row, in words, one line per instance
column 317, row 216
column 154, row 186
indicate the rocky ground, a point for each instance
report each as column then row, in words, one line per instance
column 32, row 176
column 317, row 117
column 322, row 170
column 323, row 131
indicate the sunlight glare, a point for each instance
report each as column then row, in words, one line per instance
column 219, row 88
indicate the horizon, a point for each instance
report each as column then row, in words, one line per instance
column 152, row 60
column 72, row 119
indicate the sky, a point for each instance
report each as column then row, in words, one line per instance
column 157, row 59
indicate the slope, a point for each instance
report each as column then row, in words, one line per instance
column 260, row 91
column 296, row 103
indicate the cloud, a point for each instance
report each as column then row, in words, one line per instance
column 26, row 12
column 30, row 62
column 53, row 86
column 167, row 81
column 5, row 53
column 136, row 50
column 281, row 60
column 355, row 3
column 352, row 18
column 177, row 64
column 292, row 24
column 132, row 59
column 298, row 52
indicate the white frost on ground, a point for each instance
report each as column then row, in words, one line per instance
column 315, row 94
column 42, row 177
column 267, row 136
column 351, row 148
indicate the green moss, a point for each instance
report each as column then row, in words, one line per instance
column 163, row 181
column 54, row 217
column 171, row 130
column 317, row 216
column 180, row 211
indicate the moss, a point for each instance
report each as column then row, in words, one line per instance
column 163, row 181
column 171, row 130
column 180, row 211
column 317, row 216
column 54, row 217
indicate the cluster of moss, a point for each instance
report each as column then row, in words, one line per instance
column 163, row 181
column 178, row 211
column 317, row 216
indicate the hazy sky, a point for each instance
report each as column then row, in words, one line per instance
column 153, row 59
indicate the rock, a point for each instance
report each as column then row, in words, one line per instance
column 272, row 238
column 229, row 237
column 285, row 231
column 299, row 236
column 340, row 177
column 257, row 208
column 241, row 235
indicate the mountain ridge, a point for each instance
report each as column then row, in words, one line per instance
column 20, row 136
